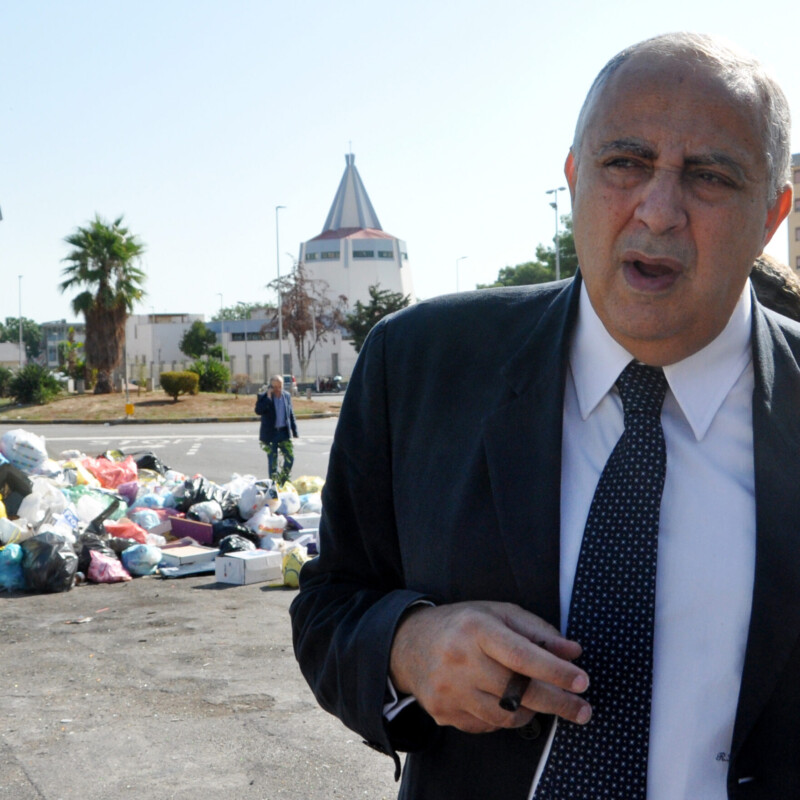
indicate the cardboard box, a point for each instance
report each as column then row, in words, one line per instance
column 307, row 520
column 201, row 532
column 249, row 566
column 187, row 554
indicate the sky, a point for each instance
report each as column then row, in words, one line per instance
column 196, row 118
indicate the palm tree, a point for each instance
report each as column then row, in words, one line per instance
column 102, row 261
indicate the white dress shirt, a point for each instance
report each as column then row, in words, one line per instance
column 706, row 544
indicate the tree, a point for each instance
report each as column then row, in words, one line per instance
column 309, row 315
column 240, row 311
column 544, row 268
column 103, row 261
column 69, row 356
column 31, row 335
column 381, row 303
column 198, row 341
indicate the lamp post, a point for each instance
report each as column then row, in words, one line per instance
column 221, row 326
column 280, row 301
column 246, row 359
column 21, row 351
column 458, row 261
column 554, row 205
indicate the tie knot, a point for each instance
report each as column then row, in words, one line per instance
column 642, row 389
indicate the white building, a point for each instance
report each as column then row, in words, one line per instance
column 353, row 252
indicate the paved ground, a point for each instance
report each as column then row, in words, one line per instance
column 167, row 690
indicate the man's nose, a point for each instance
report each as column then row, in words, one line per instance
column 661, row 204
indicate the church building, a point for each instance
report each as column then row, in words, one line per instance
column 353, row 252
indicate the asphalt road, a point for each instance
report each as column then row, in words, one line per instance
column 171, row 689
column 215, row 450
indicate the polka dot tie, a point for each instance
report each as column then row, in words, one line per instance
column 613, row 609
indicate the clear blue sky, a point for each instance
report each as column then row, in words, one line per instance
column 195, row 119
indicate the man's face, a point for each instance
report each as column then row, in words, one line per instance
column 277, row 387
column 670, row 201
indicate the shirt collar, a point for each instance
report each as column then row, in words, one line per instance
column 699, row 383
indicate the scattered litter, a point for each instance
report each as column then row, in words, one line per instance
column 114, row 517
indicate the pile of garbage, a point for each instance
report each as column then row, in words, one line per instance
column 115, row 517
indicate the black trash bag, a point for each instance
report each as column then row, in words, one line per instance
column 14, row 486
column 49, row 563
column 227, row 527
column 234, row 544
column 117, row 544
column 199, row 490
column 153, row 462
column 86, row 543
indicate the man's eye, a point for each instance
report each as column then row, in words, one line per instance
column 711, row 179
column 624, row 164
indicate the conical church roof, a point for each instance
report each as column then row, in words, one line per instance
column 351, row 210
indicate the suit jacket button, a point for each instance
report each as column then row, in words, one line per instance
column 530, row 730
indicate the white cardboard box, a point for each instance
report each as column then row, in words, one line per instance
column 249, row 566
column 177, row 556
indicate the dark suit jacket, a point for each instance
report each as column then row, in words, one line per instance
column 444, row 482
column 266, row 407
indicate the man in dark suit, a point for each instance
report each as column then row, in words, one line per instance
column 454, row 509
column 278, row 425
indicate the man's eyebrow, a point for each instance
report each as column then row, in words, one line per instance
column 635, row 147
column 717, row 159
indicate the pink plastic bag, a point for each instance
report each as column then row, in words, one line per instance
column 106, row 569
column 112, row 473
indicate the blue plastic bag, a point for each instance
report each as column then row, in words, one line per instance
column 11, row 576
column 141, row 559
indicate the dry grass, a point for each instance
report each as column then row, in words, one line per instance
column 152, row 406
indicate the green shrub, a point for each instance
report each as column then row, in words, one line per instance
column 6, row 376
column 34, row 384
column 178, row 383
column 214, row 375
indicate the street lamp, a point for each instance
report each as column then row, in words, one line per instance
column 246, row 359
column 20, row 321
column 221, row 326
column 280, row 302
column 458, row 261
column 554, row 205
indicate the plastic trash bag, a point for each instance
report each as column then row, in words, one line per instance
column 308, row 484
column 25, row 450
column 265, row 522
column 14, row 485
column 152, row 462
column 11, row 575
column 227, row 527
column 310, row 503
column 106, row 569
column 112, row 473
column 234, row 544
column 141, row 559
column 88, row 542
column 208, row 511
column 125, row 529
column 145, row 517
column 254, row 497
column 49, row 563
column 293, row 561
column 290, row 500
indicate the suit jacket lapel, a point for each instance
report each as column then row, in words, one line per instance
column 775, row 617
column 522, row 440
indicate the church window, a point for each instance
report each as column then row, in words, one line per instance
column 329, row 254
column 311, row 256
column 385, row 254
column 363, row 254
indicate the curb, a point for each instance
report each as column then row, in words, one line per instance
column 126, row 421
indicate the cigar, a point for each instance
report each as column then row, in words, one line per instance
column 515, row 688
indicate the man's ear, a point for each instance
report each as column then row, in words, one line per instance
column 569, row 173
column 778, row 212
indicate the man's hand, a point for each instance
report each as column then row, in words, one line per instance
column 457, row 659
